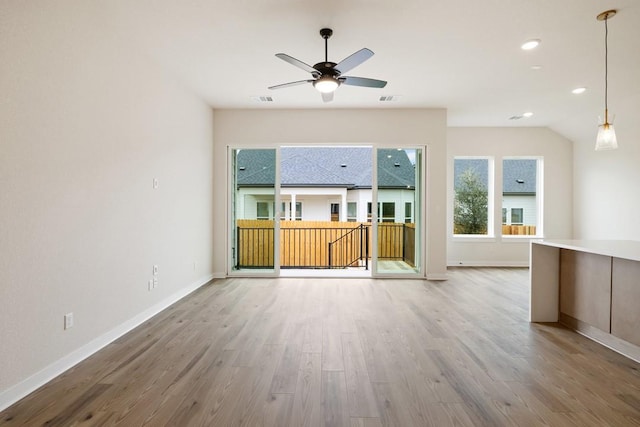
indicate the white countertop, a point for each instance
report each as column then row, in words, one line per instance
column 626, row 249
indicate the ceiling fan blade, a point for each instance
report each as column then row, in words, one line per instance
column 354, row 60
column 299, row 82
column 293, row 61
column 362, row 81
column 327, row 97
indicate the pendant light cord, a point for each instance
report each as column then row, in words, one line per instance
column 606, row 69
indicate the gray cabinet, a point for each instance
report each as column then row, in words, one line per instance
column 585, row 288
column 625, row 300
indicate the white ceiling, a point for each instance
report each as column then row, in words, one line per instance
column 463, row 55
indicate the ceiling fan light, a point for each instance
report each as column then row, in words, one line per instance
column 606, row 139
column 326, row 84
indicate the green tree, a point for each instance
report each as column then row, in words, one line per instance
column 470, row 206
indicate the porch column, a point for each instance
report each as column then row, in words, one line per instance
column 292, row 208
column 343, row 206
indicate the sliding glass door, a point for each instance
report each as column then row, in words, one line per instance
column 398, row 206
column 254, row 217
column 326, row 211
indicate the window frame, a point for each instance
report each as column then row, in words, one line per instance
column 490, row 235
column 265, row 204
column 521, row 216
column 334, row 216
column 539, row 209
column 354, row 217
column 381, row 216
column 408, row 218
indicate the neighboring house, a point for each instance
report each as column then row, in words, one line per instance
column 325, row 184
column 519, row 205
column 519, row 177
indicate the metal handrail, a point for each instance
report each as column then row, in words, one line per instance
column 362, row 253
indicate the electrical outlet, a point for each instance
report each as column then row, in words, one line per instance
column 150, row 284
column 155, row 270
column 155, row 282
column 68, row 320
column 155, row 183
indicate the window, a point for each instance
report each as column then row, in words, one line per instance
column 335, row 211
column 352, row 211
column 472, row 181
column 387, row 212
column 520, row 196
column 369, row 212
column 408, row 213
column 298, row 213
column 262, row 210
column 516, row 216
column 289, row 214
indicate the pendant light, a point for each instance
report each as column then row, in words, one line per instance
column 606, row 139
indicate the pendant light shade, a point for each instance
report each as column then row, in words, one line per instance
column 606, row 139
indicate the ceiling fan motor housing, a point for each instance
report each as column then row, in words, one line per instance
column 327, row 69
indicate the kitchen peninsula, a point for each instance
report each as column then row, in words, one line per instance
column 592, row 286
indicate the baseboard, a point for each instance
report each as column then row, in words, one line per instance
column 14, row 393
column 616, row 344
column 219, row 276
column 437, row 276
column 488, row 263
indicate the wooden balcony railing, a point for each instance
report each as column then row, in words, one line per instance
column 321, row 244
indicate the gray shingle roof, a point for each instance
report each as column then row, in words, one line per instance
column 325, row 167
column 519, row 175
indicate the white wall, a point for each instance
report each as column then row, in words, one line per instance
column 558, row 177
column 607, row 198
column 85, row 127
column 387, row 128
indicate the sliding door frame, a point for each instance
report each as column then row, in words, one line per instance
column 231, row 214
column 420, row 210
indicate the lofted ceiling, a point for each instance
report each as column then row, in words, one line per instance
column 462, row 55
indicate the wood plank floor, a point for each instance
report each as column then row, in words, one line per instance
column 336, row 352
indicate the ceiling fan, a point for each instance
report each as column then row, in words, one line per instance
column 327, row 76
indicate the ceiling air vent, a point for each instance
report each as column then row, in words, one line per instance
column 389, row 98
column 262, row 98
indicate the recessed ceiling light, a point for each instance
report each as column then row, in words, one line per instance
column 579, row 90
column 530, row 44
column 536, row 67
column 527, row 114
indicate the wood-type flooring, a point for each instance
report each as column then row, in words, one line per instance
column 345, row 352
